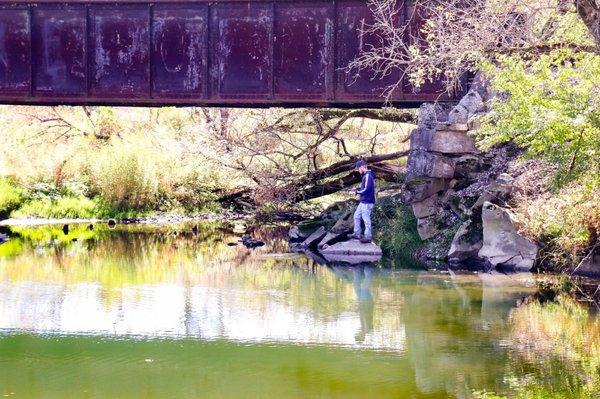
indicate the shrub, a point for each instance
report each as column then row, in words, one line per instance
column 10, row 198
column 192, row 193
column 567, row 221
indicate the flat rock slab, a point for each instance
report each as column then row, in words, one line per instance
column 352, row 247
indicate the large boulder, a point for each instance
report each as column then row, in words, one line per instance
column 468, row 106
column 419, row 188
column 459, row 114
column 442, row 141
column 423, row 163
column 430, row 114
column 428, row 227
column 427, row 207
column 472, row 102
column 502, row 244
column 466, row 243
column 482, row 86
column 498, row 191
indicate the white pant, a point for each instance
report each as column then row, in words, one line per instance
column 363, row 211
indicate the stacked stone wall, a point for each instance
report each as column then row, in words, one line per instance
column 443, row 161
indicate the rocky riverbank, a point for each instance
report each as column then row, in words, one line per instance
column 462, row 196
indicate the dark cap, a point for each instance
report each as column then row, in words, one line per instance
column 360, row 163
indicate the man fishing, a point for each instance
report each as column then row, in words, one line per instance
column 367, row 202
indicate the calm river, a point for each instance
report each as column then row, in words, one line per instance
column 160, row 312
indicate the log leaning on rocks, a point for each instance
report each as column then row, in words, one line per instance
column 314, row 238
column 340, row 229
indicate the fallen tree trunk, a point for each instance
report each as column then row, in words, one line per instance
column 316, row 184
column 242, row 199
column 341, row 167
column 382, row 171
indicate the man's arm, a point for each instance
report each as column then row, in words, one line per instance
column 368, row 184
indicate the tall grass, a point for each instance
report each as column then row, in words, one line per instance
column 126, row 177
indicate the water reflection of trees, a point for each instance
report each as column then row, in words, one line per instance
column 122, row 268
column 555, row 350
column 169, row 281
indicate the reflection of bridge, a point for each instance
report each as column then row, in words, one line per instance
column 197, row 52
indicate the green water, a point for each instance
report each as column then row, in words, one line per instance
column 160, row 312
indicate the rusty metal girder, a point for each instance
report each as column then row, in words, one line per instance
column 178, row 52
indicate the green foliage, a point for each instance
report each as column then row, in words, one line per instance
column 439, row 247
column 11, row 248
column 10, row 197
column 194, row 193
column 395, row 229
column 61, row 207
column 566, row 221
column 551, row 107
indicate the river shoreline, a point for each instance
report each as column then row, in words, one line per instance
column 153, row 219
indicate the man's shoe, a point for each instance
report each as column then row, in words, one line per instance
column 365, row 240
column 355, row 237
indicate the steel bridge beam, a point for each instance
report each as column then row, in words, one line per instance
column 205, row 53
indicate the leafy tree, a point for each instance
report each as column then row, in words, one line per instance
column 552, row 108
